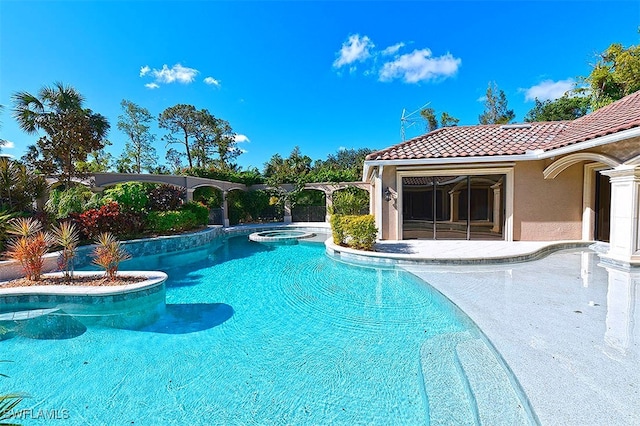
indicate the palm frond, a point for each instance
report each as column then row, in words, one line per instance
column 8, row 403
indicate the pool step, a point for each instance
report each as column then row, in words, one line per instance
column 496, row 400
column 448, row 399
column 26, row 314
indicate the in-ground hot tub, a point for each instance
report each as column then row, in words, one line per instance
column 282, row 236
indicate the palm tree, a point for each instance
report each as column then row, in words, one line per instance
column 72, row 132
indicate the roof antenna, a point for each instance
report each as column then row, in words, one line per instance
column 411, row 119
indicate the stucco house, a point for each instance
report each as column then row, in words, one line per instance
column 563, row 180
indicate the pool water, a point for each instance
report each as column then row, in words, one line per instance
column 251, row 334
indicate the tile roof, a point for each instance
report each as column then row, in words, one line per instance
column 621, row 115
column 492, row 140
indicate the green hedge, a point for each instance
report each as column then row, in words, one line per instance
column 190, row 216
column 130, row 196
column 171, row 221
column 77, row 199
column 200, row 211
column 358, row 232
column 350, row 201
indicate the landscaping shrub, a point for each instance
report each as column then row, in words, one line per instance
column 247, row 177
column 336, row 229
column 165, row 197
column 4, row 222
column 29, row 245
column 358, row 232
column 171, row 221
column 350, row 201
column 199, row 210
column 77, row 199
column 67, row 237
column 108, row 218
column 130, row 196
column 19, row 186
column 109, row 253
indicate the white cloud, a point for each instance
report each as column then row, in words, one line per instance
column 212, row 81
column 392, row 50
column 6, row 144
column 166, row 75
column 418, row 66
column 481, row 99
column 241, row 138
column 144, row 70
column 548, row 90
column 355, row 49
column 176, row 73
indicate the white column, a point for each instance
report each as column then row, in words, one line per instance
column 624, row 244
column 454, row 201
column 497, row 203
column 328, row 204
column 190, row 195
column 287, row 211
column 377, row 194
column 225, row 209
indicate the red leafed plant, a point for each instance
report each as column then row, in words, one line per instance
column 29, row 245
column 108, row 218
column 67, row 237
column 109, row 253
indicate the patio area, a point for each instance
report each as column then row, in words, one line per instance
column 566, row 323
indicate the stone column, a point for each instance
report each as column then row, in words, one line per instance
column 225, row 209
column 328, row 204
column 190, row 195
column 287, row 211
column 497, row 203
column 624, row 244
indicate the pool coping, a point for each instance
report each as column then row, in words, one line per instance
column 466, row 252
column 153, row 279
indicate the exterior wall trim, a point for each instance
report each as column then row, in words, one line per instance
column 561, row 164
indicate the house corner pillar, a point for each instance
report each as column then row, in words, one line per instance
column 624, row 240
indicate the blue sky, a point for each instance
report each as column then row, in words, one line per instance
column 321, row 75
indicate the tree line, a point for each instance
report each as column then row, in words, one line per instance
column 75, row 138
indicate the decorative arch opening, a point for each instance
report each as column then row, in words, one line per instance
column 561, row 164
column 212, row 197
column 309, row 205
column 258, row 206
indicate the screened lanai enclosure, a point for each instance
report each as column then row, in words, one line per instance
column 470, row 207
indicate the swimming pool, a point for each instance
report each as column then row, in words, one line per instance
column 266, row 334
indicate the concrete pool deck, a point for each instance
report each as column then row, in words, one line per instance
column 567, row 324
